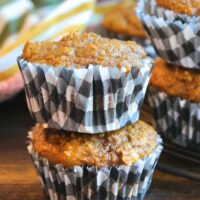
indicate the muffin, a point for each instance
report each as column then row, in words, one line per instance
column 123, row 23
column 85, row 83
column 188, row 7
column 173, row 35
column 114, row 165
column 174, row 95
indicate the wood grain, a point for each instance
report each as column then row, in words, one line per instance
column 19, row 181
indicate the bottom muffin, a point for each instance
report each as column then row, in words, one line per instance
column 174, row 96
column 115, row 165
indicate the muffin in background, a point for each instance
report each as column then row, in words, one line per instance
column 173, row 35
column 174, row 96
column 122, row 23
column 188, row 7
column 84, row 82
column 112, row 165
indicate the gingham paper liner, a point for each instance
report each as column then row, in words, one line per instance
column 175, row 40
column 176, row 119
column 145, row 43
column 93, row 99
column 90, row 183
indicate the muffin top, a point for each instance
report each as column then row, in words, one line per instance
column 188, row 7
column 125, row 146
column 176, row 81
column 123, row 20
column 80, row 50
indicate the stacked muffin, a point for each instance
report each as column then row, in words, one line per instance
column 122, row 23
column 85, row 92
column 174, row 93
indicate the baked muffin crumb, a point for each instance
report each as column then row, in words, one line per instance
column 80, row 50
column 176, row 81
column 125, row 146
column 188, row 7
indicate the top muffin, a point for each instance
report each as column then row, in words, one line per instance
column 188, row 7
column 123, row 20
column 176, row 81
column 81, row 50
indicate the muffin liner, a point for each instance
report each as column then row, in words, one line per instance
column 84, row 183
column 145, row 43
column 92, row 100
column 176, row 119
column 176, row 39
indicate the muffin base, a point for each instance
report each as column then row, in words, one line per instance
column 84, row 183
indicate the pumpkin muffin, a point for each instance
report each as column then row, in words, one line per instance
column 123, row 20
column 188, row 7
column 85, row 83
column 81, row 50
column 176, row 81
column 122, row 23
column 83, row 166
column 122, row 147
column 174, row 96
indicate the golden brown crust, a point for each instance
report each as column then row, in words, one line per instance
column 84, row 49
column 188, row 7
column 123, row 20
column 176, row 81
column 124, row 146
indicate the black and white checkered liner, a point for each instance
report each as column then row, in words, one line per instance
column 176, row 39
column 92, row 100
column 90, row 183
column 177, row 120
column 145, row 43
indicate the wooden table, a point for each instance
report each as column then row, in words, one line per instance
column 18, row 179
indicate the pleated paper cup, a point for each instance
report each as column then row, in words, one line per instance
column 86, row 183
column 145, row 43
column 176, row 39
column 92, row 100
column 176, row 119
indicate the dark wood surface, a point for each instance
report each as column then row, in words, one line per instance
column 18, row 179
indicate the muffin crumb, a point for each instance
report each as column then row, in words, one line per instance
column 123, row 147
column 188, row 7
column 176, row 81
column 80, row 50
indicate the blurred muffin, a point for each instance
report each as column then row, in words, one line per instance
column 173, row 35
column 85, row 83
column 87, row 166
column 188, row 7
column 176, row 81
column 122, row 20
column 175, row 97
column 122, row 23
